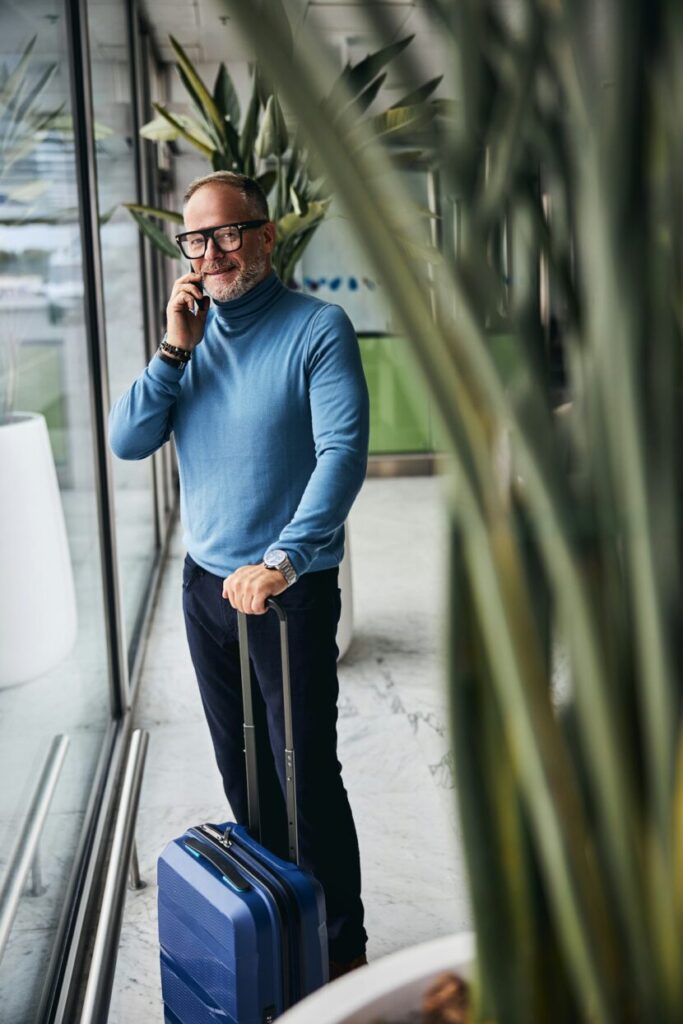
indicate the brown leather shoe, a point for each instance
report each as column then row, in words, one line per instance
column 337, row 969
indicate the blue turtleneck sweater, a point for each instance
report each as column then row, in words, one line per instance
column 270, row 419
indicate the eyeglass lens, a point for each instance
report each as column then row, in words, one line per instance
column 227, row 239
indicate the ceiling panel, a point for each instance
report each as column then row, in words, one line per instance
column 203, row 25
column 209, row 34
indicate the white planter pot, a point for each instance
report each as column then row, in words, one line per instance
column 345, row 625
column 38, row 620
column 391, row 986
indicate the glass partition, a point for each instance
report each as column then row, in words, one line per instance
column 54, row 676
column 136, row 533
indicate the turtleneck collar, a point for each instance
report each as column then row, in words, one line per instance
column 252, row 303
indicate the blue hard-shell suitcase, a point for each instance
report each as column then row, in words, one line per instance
column 242, row 932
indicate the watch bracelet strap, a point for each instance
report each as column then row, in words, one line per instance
column 288, row 571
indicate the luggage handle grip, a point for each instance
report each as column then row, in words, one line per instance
column 220, row 862
column 253, row 804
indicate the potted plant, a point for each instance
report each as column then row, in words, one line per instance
column 566, row 153
column 266, row 145
column 427, row 980
column 263, row 145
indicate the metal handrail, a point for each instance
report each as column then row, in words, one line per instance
column 25, row 849
column 103, row 962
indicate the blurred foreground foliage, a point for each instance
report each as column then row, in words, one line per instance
column 562, row 217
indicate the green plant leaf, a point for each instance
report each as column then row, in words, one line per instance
column 361, row 103
column 14, row 82
column 291, row 251
column 398, row 119
column 278, row 14
column 409, row 159
column 418, row 95
column 446, row 108
column 155, row 211
column 156, row 235
column 28, row 191
column 183, row 132
column 19, row 151
column 105, row 217
column 354, row 79
column 292, row 223
column 23, row 112
column 64, row 123
column 273, row 138
column 250, row 130
column 225, row 96
column 233, row 146
column 300, row 205
column 267, row 180
column 161, row 130
column 198, row 91
column 422, row 253
column 44, row 121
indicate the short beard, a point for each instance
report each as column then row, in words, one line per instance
column 243, row 282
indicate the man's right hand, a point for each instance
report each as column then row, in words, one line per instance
column 183, row 327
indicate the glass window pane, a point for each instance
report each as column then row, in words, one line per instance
column 53, row 652
column 122, row 274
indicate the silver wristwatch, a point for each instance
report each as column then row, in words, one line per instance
column 278, row 559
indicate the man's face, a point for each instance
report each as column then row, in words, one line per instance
column 227, row 275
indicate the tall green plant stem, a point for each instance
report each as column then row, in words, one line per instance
column 440, row 374
column 603, row 204
column 448, row 361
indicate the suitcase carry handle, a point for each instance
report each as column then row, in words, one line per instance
column 253, row 804
column 220, row 862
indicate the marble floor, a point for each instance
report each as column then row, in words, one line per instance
column 393, row 741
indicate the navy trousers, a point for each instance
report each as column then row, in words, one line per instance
column 328, row 845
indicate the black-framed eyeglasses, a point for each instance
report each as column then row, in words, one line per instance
column 228, row 238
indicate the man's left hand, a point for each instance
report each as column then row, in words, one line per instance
column 248, row 587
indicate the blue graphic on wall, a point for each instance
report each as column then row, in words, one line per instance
column 336, row 284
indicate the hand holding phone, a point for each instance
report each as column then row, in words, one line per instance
column 204, row 302
column 186, row 311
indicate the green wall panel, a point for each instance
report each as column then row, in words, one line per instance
column 400, row 414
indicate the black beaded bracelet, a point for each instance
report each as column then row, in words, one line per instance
column 178, row 353
column 170, row 360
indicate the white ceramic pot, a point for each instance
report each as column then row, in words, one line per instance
column 38, row 623
column 345, row 625
column 392, row 986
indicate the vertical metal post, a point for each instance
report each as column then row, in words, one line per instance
column 253, row 805
column 36, row 887
column 22, row 854
column 86, row 175
column 134, row 879
column 139, row 92
column 290, row 759
column 140, row 107
column 97, row 993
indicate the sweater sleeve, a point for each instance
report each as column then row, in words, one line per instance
column 140, row 421
column 340, row 418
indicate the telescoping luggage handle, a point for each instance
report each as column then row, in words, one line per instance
column 253, row 806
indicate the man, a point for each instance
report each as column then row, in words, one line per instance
column 266, row 397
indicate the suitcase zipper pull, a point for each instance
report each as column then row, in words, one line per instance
column 220, row 837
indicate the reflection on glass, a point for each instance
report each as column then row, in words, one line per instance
column 53, row 660
column 122, row 273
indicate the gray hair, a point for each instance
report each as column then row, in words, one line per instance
column 248, row 187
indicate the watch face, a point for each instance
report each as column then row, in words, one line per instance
column 275, row 557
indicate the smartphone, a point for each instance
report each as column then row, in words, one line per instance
column 200, row 285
